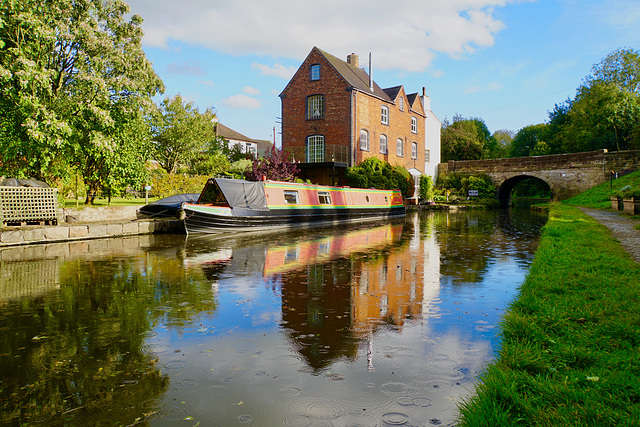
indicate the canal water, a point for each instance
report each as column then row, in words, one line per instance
column 375, row 325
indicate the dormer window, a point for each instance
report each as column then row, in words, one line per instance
column 401, row 104
column 314, row 72
column 414, row 125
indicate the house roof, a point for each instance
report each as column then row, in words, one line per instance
column 393, row 92
column 228, row 133
column 355, row 77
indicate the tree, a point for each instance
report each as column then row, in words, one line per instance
column 467, row 139
column 503, row 139
column 376, row 173
column 530, row 141
column 181, row 132
column 620, row 68
column 275, row 166
column 72, row 75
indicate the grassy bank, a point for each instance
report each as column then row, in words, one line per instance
column 600, row 197
column 570, row 352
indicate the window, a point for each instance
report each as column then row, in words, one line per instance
column 400, row 147
column 364, row 140
column 324, row 197
column 414, row 150
column 251, row 148
column 383, row 144
column 314, row 72
column 290, row 197
column 315, row 149
column 401, row 104
column 384, row 115
column 427, row 156
column 315, row 107
column 414, row 125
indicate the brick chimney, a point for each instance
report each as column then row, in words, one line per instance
column 353, row 60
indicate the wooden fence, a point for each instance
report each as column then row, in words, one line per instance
column 28, row 205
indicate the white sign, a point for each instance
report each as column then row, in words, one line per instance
column 473, row 193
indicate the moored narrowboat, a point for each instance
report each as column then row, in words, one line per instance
column 239, row 205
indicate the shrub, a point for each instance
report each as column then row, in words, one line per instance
column 374, row 173
column 426, row 187
column 164, row 184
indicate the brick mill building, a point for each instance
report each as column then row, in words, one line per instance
column 335, row 116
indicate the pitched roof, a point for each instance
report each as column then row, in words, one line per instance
column 393, row 92
column 355, row 77
column 228, row 133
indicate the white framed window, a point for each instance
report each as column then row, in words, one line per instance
column 427, row 156
column 315, row 149
column 290, row 197
column 401, row 104
column 384, row 149
column 414, row 150
column 315, row 107
column 324, row 197
column 384, row 115
column 364, row 140
column 400, row 147
column 414, row 125
column 314, row 72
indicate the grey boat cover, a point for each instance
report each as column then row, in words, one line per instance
column 31, row 182
column 243, row 194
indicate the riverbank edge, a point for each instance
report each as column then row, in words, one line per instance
column 67, row 232
column 569, row 341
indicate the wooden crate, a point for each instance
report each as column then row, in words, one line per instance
column 28, row 205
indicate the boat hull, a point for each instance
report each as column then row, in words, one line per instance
column 200, row 221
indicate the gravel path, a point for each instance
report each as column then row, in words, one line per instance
column 621, row 229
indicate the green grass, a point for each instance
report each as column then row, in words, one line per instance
column 116, row 201
column 570, row 353
column 599, row 197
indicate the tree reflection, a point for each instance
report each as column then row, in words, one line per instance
column 77, row 355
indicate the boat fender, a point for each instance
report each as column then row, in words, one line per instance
column 180, row 214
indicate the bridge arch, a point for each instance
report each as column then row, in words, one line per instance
column 506, row 187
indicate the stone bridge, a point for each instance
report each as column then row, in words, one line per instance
column 566, row 174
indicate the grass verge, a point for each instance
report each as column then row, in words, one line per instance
column 570, row 353
column 599, row 197
column 116, row 201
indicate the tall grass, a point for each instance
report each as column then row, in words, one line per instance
column 570, row 352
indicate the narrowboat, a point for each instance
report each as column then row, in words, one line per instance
column 239, row 205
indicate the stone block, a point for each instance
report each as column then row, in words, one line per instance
column 78, row 231
column 146, row 227
column 97, row 230
column 129, row 228
column 114, row 229
column 56, row 233
column 34, row 235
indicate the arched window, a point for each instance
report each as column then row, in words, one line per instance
column 400, row 147
column 384, row 114
column 414, row 150
column 364, row 140
column 315, row 148
column 401, row 104
column 383, row 144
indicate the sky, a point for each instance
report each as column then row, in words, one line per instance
column 507, row 62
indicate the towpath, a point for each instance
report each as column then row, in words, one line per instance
column 622, row 229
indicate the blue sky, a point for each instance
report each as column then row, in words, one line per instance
column 506, row 62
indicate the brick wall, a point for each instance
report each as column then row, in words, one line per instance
column 335, row 126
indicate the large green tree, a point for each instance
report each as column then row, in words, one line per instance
column 181, row 133
column 530, row 141
column 605, row 112
column 73, row 81
column 467, row 139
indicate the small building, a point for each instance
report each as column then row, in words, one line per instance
column 233, row 139
column 334, row 116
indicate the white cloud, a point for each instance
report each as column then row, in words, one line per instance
column 241, row 102
column 206, row 83
column 277, row 70
column 406, row 36
column 251, row 90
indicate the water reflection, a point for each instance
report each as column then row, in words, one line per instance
column 382, row 325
